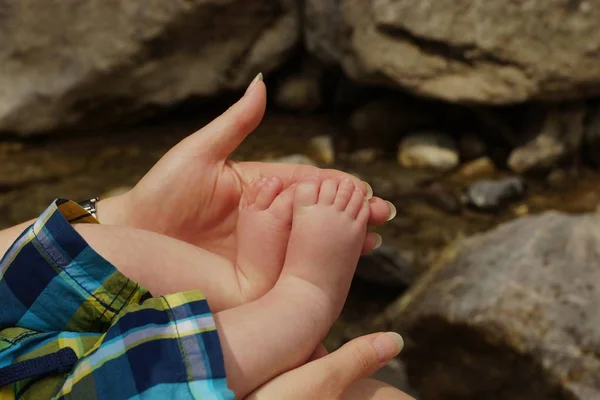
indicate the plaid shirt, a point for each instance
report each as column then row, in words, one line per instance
column 56, row 293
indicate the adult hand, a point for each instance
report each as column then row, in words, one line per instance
column 193, row 192
column 339, row 375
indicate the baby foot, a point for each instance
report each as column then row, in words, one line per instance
column 328, row 230
column 263, row 232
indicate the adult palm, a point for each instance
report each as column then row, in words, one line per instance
column 193, row 192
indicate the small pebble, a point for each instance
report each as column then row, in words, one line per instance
column 541, row 153
column 482, row 167
column 557, row 137
column 431, row 150
column 491, row 195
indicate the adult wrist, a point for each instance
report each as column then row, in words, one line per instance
column 113, row 210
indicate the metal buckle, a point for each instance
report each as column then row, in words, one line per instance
column 90, row 206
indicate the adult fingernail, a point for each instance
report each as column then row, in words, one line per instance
column 392, row 208
column 378, row 240
column 369, row 190
column 388, row 345
column 258, row 78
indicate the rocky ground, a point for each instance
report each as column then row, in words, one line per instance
column 437, row 207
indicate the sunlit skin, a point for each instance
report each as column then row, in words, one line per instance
column 193, row 192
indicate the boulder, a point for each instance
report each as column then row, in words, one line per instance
column 488, row 52
column 70, row 62
column 509, row 314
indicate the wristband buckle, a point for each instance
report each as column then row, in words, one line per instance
column 90, row 206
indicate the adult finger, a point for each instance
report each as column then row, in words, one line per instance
column 372, row 241
column 223, row 135
column 381, row 211
column 330, row 376
column 362, row 357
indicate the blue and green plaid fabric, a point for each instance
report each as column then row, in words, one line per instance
column 57, row 293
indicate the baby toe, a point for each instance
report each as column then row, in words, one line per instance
column 355, row 203
column 268, row 192
column 344, row 193
column 328, row 191
column 282, row 206
column 307, row 193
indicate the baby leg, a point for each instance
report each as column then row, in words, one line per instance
column 164, row 265
column 328, row 230
column 263, row 231
column 279, row 331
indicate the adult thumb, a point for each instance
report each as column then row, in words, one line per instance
column 223, row 135
column 362, row 357
column 329, row 376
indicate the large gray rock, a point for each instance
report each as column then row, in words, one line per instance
column 68, row 61
column 514, row 315
column 493, row 52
